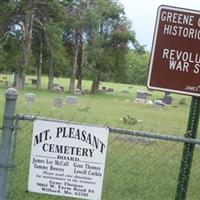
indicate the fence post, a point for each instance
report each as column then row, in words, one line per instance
column 186, row 162
column 5, row 146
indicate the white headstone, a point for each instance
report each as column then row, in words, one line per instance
column 159, row 103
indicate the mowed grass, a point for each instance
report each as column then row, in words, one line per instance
column 107, row 108
column 134, row 170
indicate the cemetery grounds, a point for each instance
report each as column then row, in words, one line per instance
column 136, row 168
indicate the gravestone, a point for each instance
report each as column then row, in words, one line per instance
column 77, row 92
column 142, row 96
column 71, row 100
column 167, row 93
column 167, row 99
column 58, row 102
column 57, row 88
column 34, row 81
column 29, row 97
column 159, row 103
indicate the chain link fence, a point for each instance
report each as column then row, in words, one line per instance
column 137, row 168
column 139, row 165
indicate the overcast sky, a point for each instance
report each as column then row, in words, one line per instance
column 142, row 14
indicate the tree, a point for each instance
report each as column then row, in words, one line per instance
column 137, row 66
column 11, row 51
column 26, row 24
column 7, row 17
column 74, row 38
column 9, row 37
column 20, row 13
column 38, row 48
column 121, row 36
column 95, row 34
column 58, row 61
column 108, row 36
column 26, row 15
column 2, row 59
column 99, row 17
column 48, row 46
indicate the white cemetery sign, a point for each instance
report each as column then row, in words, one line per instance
column 67, row 159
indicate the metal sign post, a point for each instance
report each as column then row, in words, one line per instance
column 188, row 150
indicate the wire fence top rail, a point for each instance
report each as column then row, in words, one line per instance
column 151, row 135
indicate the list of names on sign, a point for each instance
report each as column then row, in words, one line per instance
column 67, row 159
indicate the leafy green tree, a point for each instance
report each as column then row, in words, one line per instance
column 9, row 37
column 48, row 47
column 73, row 38
column 29, row 16
column 2, row 59
column 59, row 60
column 108, row 35
column 121, row 36
column 11, row 51
column 26, row 11
column 100, row 17
column 7, row 17
column 137, row 67
column 96, row 35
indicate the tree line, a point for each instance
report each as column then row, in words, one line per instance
column 79, row 39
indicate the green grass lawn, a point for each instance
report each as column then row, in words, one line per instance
column 108, row 108
column 134, row 170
